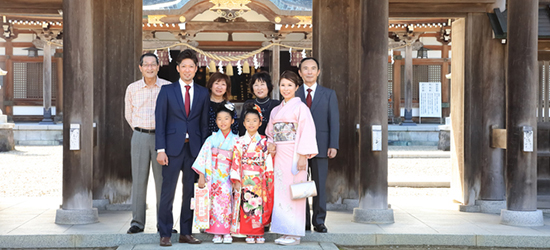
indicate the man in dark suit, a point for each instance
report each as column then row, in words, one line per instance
column 181, row 118
column 324, row 108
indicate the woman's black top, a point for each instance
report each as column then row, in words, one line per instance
column 266, row 105
column 212, row 126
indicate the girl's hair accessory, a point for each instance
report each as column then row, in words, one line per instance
column 230, row 106
column 257, row 108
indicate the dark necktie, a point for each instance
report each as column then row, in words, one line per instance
column 187, row 100
column 308, row 98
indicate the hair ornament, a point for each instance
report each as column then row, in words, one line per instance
column 230, row 106
column 257, row 108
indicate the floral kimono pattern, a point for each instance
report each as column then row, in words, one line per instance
column 253, row 167
column 214, row 161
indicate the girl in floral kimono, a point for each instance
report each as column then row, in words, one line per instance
column 213, row 165
column 252, row 176
column 291, row 134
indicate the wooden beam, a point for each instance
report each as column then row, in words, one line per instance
column 444, row 1
column 229, row 26
column 17, row 44
column 43, row 7
column 440, row 9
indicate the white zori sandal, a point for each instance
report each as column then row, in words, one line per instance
column 250, row 240
column 227, row 239
column 260, row 240
column 217, row 239
column 290, row 240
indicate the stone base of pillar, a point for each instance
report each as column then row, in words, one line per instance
column 100, row 204
column 469, row 208
column 7, row 142
column 76, row 216
column 521, row 218
column 373, row 216
column 491, row 207
column 58, row 118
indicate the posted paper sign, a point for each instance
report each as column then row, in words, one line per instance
column 202, row 207
column 74, row 136
column 430, row 99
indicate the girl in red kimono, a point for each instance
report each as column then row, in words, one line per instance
column 252, row 177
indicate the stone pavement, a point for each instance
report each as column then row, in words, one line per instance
column 435, row 221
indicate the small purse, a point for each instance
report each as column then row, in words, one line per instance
column 303, row 190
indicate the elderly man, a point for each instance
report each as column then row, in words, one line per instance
column 139, row 111
column 323, row 105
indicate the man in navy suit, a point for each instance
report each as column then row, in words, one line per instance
column 323, row 105
column 181, row 118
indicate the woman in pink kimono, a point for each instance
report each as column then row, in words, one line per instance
column 291, row 134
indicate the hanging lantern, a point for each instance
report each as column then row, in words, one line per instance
column 246, row 67
column 229, row 69
column 212, row 67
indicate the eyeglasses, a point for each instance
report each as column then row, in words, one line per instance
column 149, row 65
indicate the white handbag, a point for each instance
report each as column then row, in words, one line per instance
column 303, row 190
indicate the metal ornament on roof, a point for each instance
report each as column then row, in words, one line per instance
column 230, row 9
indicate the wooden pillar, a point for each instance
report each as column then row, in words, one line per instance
column 8, row 85
column 59, row 94
column 47, row 84
column 408, row 85
column 492, row 78
column 117, row 47
column 78, row 95
column 373, row 187
column 445, row 91
column 336, row 38
column 397, row 85
column 275, row 69
column 521, row 168
column 457, row 106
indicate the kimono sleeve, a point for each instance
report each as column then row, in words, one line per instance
column 306, row 141
column 203, row 162
column 235, row 172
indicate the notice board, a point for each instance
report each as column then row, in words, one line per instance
column 430, row 99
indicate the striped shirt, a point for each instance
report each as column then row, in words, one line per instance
column 139, row 103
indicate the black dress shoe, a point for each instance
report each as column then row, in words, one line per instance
column 320, row 228
column 134, row 230
column 189, row 239
column 308, row 227
column 165, row 242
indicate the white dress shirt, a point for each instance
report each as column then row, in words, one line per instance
column 313, row 88
column 191, row 92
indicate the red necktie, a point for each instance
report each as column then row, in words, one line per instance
column 187, row 100
column 308, row 98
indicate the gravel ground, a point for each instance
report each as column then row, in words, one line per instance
column 33, row 171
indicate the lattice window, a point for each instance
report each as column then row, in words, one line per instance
column 27, row 80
